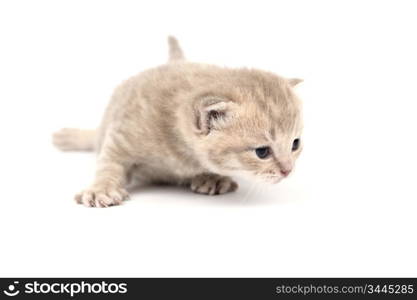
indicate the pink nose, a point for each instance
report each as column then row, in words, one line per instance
column 285, row 172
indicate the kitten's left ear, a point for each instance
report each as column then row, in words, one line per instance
column 294, row 81
column 213, row 113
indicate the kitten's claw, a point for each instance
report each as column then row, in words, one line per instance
column 102, row 197
column 213, row 184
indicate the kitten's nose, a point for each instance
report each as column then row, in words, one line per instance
column 285, row 166
column 285, row 172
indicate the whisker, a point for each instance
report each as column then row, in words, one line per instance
column 249, row 192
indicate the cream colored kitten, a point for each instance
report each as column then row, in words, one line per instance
column 192, row 124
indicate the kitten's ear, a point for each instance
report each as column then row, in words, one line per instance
column 212, row 113
column 294, row 81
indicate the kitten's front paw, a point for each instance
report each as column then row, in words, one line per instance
column 212, row 184
column 101, row 197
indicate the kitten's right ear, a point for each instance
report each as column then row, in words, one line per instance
column 212, row 113
column 294, row 81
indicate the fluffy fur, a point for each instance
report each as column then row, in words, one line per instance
column 191, row 124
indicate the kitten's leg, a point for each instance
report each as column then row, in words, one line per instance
column 212, row 184
column 109, row 185
column 71, row 139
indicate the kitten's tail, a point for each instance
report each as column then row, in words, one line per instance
column 71, row 139
column 175, row 51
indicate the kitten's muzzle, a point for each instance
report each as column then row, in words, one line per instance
column 285, row 172
column 285, row 167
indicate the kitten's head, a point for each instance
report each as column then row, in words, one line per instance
column 251, row 127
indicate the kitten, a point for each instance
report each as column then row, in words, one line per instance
column 191, row 124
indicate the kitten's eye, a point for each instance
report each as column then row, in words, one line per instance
column 263, row 152
column 296, row 145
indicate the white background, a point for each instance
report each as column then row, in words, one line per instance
column 349, row 209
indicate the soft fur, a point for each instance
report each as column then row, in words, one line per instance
column 191, row 124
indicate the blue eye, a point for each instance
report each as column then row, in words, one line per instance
column 296, row 145
column 263, row 152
